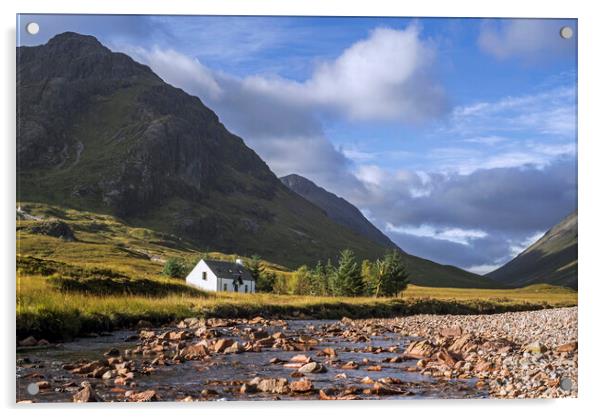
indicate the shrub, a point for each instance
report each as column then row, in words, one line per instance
column 175, row 268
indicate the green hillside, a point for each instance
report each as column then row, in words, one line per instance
column 550, row 260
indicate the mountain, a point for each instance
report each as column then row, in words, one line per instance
column 337, row 208
column 99, row 132
column 550, row 260
column 422, row 271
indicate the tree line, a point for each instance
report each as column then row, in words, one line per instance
column 385, row 277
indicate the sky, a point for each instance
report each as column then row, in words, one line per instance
column 456, row 137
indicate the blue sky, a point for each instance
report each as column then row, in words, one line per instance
column 456, row 137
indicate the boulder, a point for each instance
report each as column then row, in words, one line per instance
column 144, row 397
column 271, row 385
column 419, row 349
column 222, row 344
column 312, row 368
column 86, row 395
column 301, row 386
column 28, row 341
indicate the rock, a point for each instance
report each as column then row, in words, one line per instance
column 535, row 347
column 144, row 397
column 256, row 320
column 195, row 352
column 113, row 352
column 463, row 344
column 444, row 357
column 454, row 331
column 367, row 380
column 43, row 342
column 419, row 349
column 350, row 365
column 422, row 363
column 86, row 395
column 43, row 384
column 384, row 389
column 144, row 324
column 312, row 368
column 222, row 344
column 272, row 385
column 374, row 368
column 259, row 335
column 28, row 342
column 329, row 352
column 483, row 366
column 276, row 361
column 235, row 348
column 146, row 334
column 300, row 359
column 302, row 385
column 567, row 347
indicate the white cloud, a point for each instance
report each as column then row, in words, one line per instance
column 529, row 39
column 551, row 112
column 483, row 269
column 451, row 234
column 516, row 249
column 178, row 70
column 382, row 77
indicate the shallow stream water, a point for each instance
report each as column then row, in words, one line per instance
column 223, row 374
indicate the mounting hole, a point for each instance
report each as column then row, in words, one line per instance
column 33, row 389
column 32, row 28
column 566, row 32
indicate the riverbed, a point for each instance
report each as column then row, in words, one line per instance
column 353, row 364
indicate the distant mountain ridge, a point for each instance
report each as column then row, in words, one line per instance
column 422, row 271
column 550, row 260
column 337, row 208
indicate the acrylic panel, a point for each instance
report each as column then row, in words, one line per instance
column 242, row 208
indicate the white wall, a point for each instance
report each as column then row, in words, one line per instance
column 213, row 283
column 195, row 277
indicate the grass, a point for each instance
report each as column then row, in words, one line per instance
column 44, row 311
column 110, row 278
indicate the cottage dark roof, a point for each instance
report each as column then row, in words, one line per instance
column 229, row 270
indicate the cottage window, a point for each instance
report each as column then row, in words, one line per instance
column 246, row 288
column 225, row 287
column 204, row 275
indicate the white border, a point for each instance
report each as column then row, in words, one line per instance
column 590, row 176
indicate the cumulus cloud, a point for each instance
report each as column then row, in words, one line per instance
column 383, row 77
column 528, row 39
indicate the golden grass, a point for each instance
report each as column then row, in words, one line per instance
column 45, row 312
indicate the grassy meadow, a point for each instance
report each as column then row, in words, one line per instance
column 111, row 277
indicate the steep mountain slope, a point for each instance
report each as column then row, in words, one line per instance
column 100, row 132
column 337, row 208
column 422, row 271
column 97, row 131
column 550, row 260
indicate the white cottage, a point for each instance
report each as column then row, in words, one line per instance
column 221, row 276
